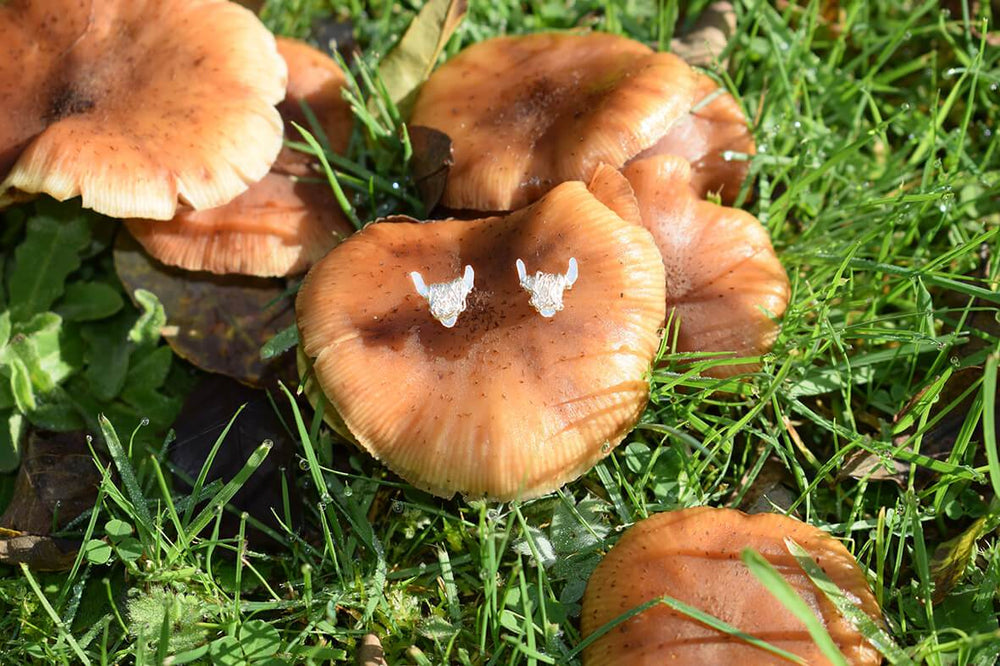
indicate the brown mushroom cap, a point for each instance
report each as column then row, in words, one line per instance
column 507, row 403
column 703, row 136
column 281, row 225
column 723, row 277
column 527, row 113
column 134, row 105
column 693, row 555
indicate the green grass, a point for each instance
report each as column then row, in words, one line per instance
column 878, row 176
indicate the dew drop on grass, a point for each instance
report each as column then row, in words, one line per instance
column 955, row 361
column 397, row 506
column 269, row 443
column 144, row 422
column 904, row 107
column 347, row 491
column 90, row 439
column 303, row 464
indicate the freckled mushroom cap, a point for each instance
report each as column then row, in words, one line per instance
column 527, row 113
column 693, row 555
column 282, row 224
column 722, row 273
column 134, row 105
column 704, row 135
column 507, row 403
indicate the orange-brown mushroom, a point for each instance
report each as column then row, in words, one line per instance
column 134, row 105
column 284, row 223
column 714, row 127
column 527, row 113
column 725, row 284
column 693, row 555
column 510, row 378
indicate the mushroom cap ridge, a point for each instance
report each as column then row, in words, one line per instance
column 693, row 555
column 507, row 403
column 137, row 104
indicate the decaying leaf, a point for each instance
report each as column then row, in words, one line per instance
column 412, row 60
column 946, row 400
column 56, row 483
column 772, row 487
column 38, row 552
column 205, row 415
column 708, row 37
column 432, row 158
column 217, row 322
column 952, row 557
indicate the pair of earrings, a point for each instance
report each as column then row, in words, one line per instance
column 447, row 299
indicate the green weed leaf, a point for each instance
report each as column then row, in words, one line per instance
column 49, row 253
column 88, row 301
column 259, row 639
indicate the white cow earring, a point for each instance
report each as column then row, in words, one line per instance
column 547, row 289
column 446, row 299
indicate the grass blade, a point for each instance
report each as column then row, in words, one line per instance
column 790, row 599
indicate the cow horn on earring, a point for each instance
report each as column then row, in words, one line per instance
column 446, row 299
column 547, row 289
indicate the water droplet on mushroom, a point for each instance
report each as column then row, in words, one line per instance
column 605, row 447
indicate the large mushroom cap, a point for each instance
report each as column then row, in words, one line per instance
column 507, row 403
column 134, row 105
column 715, row 125
column 282, row 224
column 527, row 113
column 693, row 555
column 724, row 281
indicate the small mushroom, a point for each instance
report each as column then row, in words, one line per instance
column 527, row 113
column 693, row 555
column 724, row 281
column 283, row 223
column 134, row 105
column 481, row 392
column 714, row 127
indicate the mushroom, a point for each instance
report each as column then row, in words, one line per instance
column 714, row 126
column 458, row 378
column 724, row 282
column 527, row 113
column 693, row 555
column 134, row 105
column 282, row 224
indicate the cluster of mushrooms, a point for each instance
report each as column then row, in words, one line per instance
column 496, row 357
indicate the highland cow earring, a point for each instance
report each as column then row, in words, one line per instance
column 547, row 289
column 446, row 299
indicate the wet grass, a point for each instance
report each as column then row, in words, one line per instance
column 877, row 175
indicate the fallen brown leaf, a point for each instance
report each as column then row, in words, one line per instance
column 217, row 322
